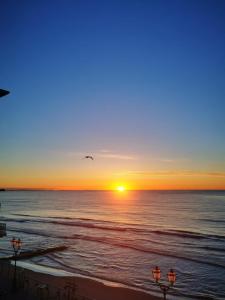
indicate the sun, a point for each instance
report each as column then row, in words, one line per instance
column 120, row 188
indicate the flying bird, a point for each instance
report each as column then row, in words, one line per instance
column 3, row 93
column 89, row 156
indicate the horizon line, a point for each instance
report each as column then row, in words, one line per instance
column 103, row 190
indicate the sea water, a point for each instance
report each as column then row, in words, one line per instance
column 121, row 236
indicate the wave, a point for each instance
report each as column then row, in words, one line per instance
column 117, row 227
column 213, row 248
column 121, row 243
column 189, row 234
column 181, row 233
column 212, row 220
column 118, row 243
column 34, row 232
column 106, row 240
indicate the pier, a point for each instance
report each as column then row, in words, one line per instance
column 2, row 229
column 35, row 252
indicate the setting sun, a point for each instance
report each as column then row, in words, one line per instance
column 120, row 188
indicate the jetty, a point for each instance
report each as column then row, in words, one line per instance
column 34, row 252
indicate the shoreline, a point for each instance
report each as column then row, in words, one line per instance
column 82, row 286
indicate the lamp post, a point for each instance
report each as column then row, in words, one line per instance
column 16, row 245
column 164, row 287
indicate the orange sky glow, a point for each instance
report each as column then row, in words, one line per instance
column 152, row 183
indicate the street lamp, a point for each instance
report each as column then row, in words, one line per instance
column 16, row 245
column 171, row 278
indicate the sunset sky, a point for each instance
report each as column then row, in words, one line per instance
column 140, row 85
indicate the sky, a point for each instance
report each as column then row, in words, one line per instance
column 137, row 84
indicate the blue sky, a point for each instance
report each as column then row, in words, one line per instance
column 138, row 79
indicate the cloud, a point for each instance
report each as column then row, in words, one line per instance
column 216, row 174
column 176, row 173
column 172, row 160
column 116, row 156
column 167, row 160
column 105, row 151
column 72, row 154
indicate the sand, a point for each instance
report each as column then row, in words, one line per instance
column 36, row 285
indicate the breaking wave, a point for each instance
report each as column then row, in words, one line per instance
column 119, row 243
column 113, row 226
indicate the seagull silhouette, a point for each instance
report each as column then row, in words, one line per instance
column 89, row 156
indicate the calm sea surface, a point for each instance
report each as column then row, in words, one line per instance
column 120, row 237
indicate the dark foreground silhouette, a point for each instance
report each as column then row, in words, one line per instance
column 3, row 93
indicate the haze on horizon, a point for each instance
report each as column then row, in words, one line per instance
column 137, row 84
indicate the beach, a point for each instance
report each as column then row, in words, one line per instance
column 36, row 285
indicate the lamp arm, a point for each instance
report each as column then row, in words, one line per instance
column 164, row 287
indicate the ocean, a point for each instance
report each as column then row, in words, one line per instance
column 120, row 237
